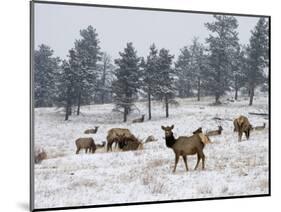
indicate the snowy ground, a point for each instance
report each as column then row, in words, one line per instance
column 232, row 168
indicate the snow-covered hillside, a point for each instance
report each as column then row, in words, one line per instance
column 231, row 169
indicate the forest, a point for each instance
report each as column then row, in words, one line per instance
column 91, row 76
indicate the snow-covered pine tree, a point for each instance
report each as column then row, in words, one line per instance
column 45, row 68
column 197, row 65
column 222, row 41
column 149, row 75
column 239, row 67
column 103, row 93
column 88, row 53
column 258, row 56
column 66, row 87
column 165, row 87
column 127, row 82
column 183, row 73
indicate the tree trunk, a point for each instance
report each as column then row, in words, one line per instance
column 236, row 93
column 252, row 90
column 125, row 114
column 198, row 89
column 79, row 103
column 66, row 112
column 217, row 98
column 149, row 106
column 68, row 105
column 167, row 106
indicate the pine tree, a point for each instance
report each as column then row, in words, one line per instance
column 103, row 92
column 257, row 56
column 222, row 41
column 149, row 77
column 165, row 88
column 88, row 53
column 66, row 88
column 183, row 72
column 239, row 67
column 45, row 68
column 127, row 74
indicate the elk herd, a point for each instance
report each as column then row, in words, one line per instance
column 182, row 146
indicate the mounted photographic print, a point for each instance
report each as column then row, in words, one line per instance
column 141, row 105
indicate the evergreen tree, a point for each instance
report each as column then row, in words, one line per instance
column 149, row 75
column 222, row 41
column 183, row 72
column 45, row 68
column 127, row 74
column 88, row 53
column 257, row 56
column 239, row 67
column 103, row 92
column 165, row 88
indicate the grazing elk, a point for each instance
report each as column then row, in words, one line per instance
column 116, row 135
column 40, row 154
column 183, row 146
column 139, row 120
column 99, row 146
column 258, row 128
column 242, row 125
column 92, row 131
column 130, row 143
column 85, row 143
column 215, row 132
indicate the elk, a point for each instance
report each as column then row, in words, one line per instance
column 199, row 130
column 139, row 120
column 183, row 146
column 91, row 131
column 150, row 139
column 85, row 143
column 258, row 128
column 101, row 145
column 130, row 143
column 40, row 154
column 215, row 132
column 116, row 135
column 242, row 125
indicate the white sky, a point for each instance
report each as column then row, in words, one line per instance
column 58, row 26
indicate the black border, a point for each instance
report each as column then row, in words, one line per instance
column 31, row 109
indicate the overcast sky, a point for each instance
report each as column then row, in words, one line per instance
column 58, row 26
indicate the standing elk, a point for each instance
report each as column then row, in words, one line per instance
column 92, row 131
column 242, row 125
column 85, row 143
column 183, row 146
column 139, row 120
column 215, row 132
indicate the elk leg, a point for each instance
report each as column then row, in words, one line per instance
column 86, row 150
column 240, row 133
column 77, row 151
column 185, row 162
column 176, row 162
column 198, row 160
column 109, row 146
column 203, row 161
column 248, row 134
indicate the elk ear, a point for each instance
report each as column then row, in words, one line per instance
column 172, row 127
column 163, row 128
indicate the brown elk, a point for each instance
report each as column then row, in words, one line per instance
column 258, row 128
column 85, row 143
column 150, row 139
column 116, row 135
column 130, row 143
column 91, row 131
column 242, row 125
column 139, row 120
column 183, row 146
column 101, row 145
column 215, row 132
